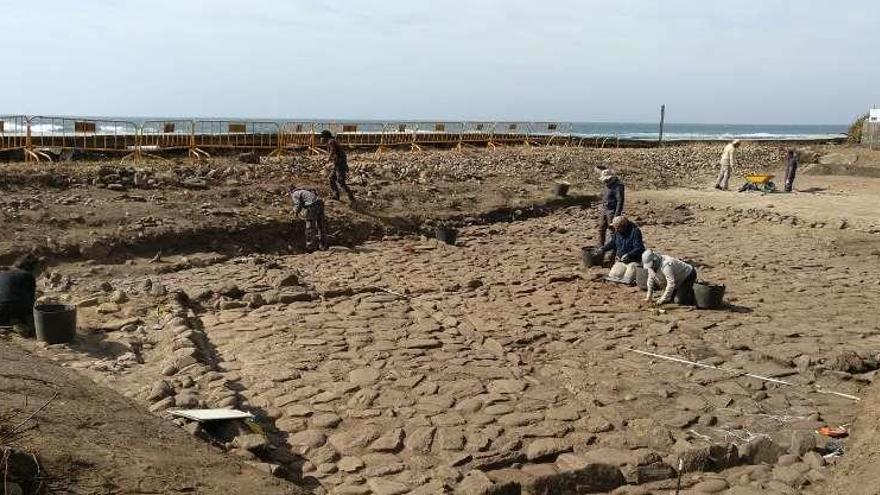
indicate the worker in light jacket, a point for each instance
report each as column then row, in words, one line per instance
column 680, row 278
column 727, row 162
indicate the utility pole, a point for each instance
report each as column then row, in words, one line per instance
column 662, row 119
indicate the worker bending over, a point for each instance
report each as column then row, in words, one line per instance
column 680, row 278
column 310, row 207
column 18, row 291
column 612, row 202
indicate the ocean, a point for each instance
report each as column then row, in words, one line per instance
column 673, row 131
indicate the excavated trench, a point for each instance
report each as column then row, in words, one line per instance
column 499, row 365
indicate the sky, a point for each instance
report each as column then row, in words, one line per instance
column 709, row 61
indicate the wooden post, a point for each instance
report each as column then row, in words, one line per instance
column 662, row 119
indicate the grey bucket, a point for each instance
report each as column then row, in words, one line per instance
column 561, row 189
column 708, row 296
column 642, row 279
column 591, row 258
column 446, row 234
column 55, row 323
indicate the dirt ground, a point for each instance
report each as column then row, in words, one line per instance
column 500, row 365
column 91, row 441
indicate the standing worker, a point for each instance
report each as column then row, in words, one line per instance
column 680, row 278
column 339, row 175
column 791, row 166
column 727, row 162
column 309, row 206
column 18, row 292
column 612, row 202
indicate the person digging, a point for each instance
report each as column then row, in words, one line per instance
column 18, row 292
column 680, row 278
column 338, row 159
column 310, row 207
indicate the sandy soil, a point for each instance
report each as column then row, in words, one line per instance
column 401, row 365
column 90, row 440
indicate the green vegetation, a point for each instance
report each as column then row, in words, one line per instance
column 855, row 129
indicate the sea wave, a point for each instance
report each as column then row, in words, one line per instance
column 758, row 136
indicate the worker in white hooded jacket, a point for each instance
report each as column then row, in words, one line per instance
column 727, row 162
column 680, row 278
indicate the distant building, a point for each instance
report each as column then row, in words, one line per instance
column 871, row 129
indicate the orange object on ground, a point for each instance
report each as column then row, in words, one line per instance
column 833, row 432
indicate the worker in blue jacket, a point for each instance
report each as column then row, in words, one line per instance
column 626, row 242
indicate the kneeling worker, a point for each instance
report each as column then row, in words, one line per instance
column 680, row 278
column 18, row 289
column 309, row 206
column 628, row 246
column 626, row 241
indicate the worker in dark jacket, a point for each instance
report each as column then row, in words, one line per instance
column 18, row 291
column 337, row 157
column 626, row 242
column 612, row 202
column 309, row 206
column 791, row 166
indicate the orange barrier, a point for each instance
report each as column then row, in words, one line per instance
column 42, row 136
column 165, row 135
column 299, row 135
column 546, row 133
column 510, row 132
column 355, row 133
column 474, row 133
column 438, row 133
column 228, row 134
column 57, row 134
column 13, row 132
column 400, row 133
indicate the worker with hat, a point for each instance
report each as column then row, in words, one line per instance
column 680, row 277
column 310, row 207
column 612, row 201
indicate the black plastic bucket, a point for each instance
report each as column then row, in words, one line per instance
column 446, row 234
column 561, row 189
column 55, row 323
column 708, row 296
column 592, row 258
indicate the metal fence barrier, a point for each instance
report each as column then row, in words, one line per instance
column 40, row 137
column 474, row 133
column 226, row 134
column 54, row 135
column 13, row 132
column 438, row 133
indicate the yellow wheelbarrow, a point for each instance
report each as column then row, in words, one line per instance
column 760, row 182
column 758, row 179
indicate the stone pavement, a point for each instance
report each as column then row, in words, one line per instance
column 409, row 366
